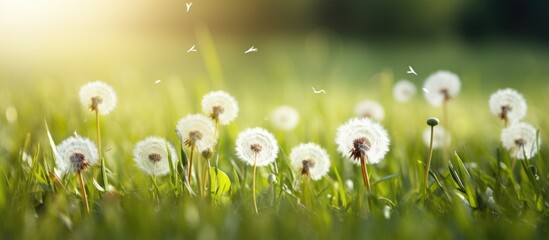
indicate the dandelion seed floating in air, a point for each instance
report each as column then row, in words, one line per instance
column 520, row 140
column 285, row 118
column 404, row 90
column 411, row 71
column 251, row 49
column 311, row 160
column 151, row 156
column 370, row 109
column 220, row 107
column 508, row 105
column 362, row 141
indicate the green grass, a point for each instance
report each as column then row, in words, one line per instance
column 282, row 72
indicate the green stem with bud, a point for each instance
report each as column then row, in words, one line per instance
column 429, row 160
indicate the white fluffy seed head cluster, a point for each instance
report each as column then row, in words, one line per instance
column 357, row 128
column 404, row 90
column 258, row 144
column 520, row 140
column 508, row 104
column 370, row 109
column 75, row 154
column 311, row 159
column 441, row 138
column 285, row 118
column 152, row 156
column 220, row 105
column 197, row 129
column 441, row 86
column 98, row 96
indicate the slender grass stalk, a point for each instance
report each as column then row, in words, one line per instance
column 156, row 193
column 253, row 184
column 447, row 125
column 83, row 190
column 365, row 173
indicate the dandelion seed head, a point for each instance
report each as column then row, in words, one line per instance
column 196, row 130
column 98, row 96
column 441, row 86
column 285, row 118
column 207, row 153
column 362, row 136
column 508, row 104
column 441, row 138
column 75, row 154
column 258, row 144
column 520, row 139
column 220, row 106
column 370, row 109
column 151, row 155
column 310, row 159
column 404, row 90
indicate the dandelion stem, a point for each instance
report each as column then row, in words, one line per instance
column 253, row 184
column 447, row 125
column 83, row 190
column 429, row 160
column 365, row 173
column 103, row 167
column 215, row 129
column 190, row 165
column 204, row 181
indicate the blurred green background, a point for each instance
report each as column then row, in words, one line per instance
column 354, row 50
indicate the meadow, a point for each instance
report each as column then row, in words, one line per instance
column 475, row 194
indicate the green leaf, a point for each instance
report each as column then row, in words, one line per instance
column 467, row 182
column 220, row 182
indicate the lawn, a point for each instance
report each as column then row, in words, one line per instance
column 473, row 191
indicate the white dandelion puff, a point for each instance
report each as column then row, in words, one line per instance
column 370, row 109
column 441, row 138
column 98, row 96
column 196, row 131
column 285, row 118
column 508, row 105
column 440, row 87
column 520, row 140
column 256, row 143
column 220, row 106
column 151, row 155
column 404, row 90
column 76, row 154
column 310, row 159
column 362, row 137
